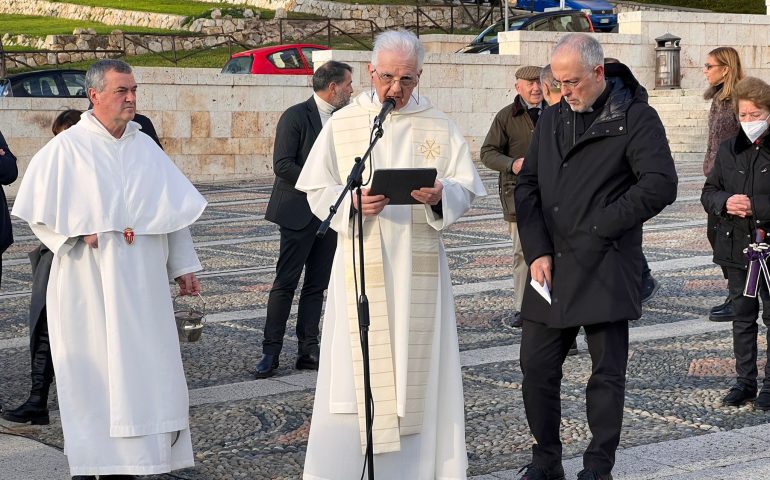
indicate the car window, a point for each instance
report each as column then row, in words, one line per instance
column 286, row 59
column 75, row 83
column 539, row 25
column 307, row 52
column 238, row 65
column 580, row 23
column 40, row 86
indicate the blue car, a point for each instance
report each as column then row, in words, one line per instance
column 600, row 11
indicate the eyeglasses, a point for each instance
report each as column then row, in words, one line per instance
column 708, row 66
column 405, row 81
column 571, row 84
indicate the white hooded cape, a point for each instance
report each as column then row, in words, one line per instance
column 438, row 451
column 120, row 381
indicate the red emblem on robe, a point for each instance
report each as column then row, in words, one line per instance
column 128, row 235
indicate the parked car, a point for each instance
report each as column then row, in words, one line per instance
column 45, row 83
column 555, row 21
column 600, row 11
column 293, row 59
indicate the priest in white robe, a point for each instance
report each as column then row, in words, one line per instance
column 419, row 427
column 115, row 212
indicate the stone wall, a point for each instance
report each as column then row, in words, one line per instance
column 623, row 6
column 635, row 43
column 109, row 16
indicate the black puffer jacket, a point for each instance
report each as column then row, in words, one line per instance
column 740, row 167
column 583, row 201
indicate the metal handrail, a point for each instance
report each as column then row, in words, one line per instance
column 329, row 25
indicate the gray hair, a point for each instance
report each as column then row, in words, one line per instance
column 587, row 47
column 546, row 75
column 399, row 41
column 97, row 71
column 328, row 73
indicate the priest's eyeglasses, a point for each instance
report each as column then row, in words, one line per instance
column 406, row 81
column 570, row 84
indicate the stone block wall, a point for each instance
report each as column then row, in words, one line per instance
column 635, row 44
column 623, row 6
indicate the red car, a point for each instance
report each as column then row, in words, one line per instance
column 294, row 59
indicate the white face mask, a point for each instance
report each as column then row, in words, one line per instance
column 755, row 129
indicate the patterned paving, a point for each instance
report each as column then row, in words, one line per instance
column 674, row 384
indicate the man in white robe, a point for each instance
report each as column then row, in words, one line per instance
column 115, row 212
column 419, row 428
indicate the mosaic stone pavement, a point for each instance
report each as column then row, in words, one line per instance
column 680, row 365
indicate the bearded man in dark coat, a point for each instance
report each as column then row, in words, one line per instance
column 598, row 167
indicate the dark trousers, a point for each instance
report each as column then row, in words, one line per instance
column 745, row 327
column 299, row 249
column 42, row 363
column 543, row 351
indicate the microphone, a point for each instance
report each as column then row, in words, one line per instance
column 387, row 106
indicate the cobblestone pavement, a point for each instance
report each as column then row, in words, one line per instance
column 680, row 364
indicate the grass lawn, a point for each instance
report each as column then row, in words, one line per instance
column 186, row 8
column 42, row 26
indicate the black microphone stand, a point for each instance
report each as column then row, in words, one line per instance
column 355, row 180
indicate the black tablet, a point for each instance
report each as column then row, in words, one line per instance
column 397, row 183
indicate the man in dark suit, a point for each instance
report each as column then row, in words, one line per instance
column 288, row 208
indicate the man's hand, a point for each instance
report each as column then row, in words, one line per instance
column 739, row 205
column 541, row 270
column 91, row 240
column 372, row 204
column 429, row 196
column 2, row 152
column 516, row 166
column 188, row 284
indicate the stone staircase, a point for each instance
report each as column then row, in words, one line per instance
column 685, row 116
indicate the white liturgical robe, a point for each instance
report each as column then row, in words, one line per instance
column 428, row 414
column 121, row 387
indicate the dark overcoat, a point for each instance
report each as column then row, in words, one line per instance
column 40, row 259
column 295, row 134
column 507, row 140
column 8, row 174
column 740, row 167
column 583, row 201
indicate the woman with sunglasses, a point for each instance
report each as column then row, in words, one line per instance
column 722, row 71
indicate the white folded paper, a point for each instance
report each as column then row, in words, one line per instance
column 542, row 290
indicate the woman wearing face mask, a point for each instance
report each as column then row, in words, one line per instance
column 722, row 71
column 737, row 191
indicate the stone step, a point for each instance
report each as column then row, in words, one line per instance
column 678, row 137
column 687, row 147
column 687, row 157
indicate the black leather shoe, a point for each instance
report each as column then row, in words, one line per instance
column 739, row 394
column 34, row 411
column 84, row 477
column 266, row 367
column 516, row 320
column 762, row 402
column 573, row 350
column 725, row 314
column 650, row 287
column 720, row 306
column 591, row 475
column 537, row 473
column 307, row 361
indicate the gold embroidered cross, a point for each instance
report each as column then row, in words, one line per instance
column 430, row 149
